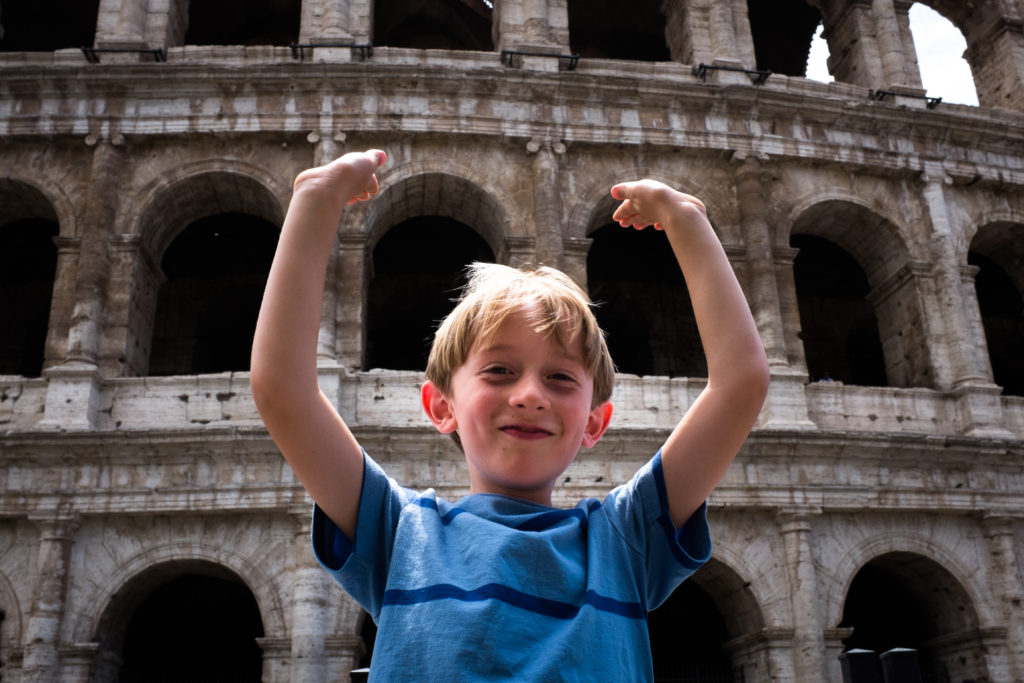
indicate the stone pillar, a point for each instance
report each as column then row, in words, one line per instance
column 42, row 629
column 1006, row 586
column 532, row 26
column 326, row 150
column 73, row 391
column 351, row 283
column 977, row 398
column 63, row 300
column 995, row 51
column 808, row 636
column 854, row 55
column 547, row 205
column 121, row 23
column 108, row 164
column 763, row 290
column 574, row 259
column 722, row 32
column 310, row 614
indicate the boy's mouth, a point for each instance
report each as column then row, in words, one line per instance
column 520, row 431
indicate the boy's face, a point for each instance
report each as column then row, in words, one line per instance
column 521, row 404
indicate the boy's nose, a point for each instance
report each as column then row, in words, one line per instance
column 529, row 393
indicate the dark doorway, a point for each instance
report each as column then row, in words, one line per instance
column 243, row 22
column 601, row 29
column 433, row 24
column 206, row 311
column 643, row 304
column 28, row 263
column 194, row 629
column 418, row 268
column 782, row 31
column 1002, row 316
column 47, row 25
column 687, row 635
column 837, row 323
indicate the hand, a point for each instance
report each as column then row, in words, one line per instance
column 351, row 177
column 648, row 202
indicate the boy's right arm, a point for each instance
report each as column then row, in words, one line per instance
column 305, row 426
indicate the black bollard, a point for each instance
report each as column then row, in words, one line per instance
column 860, row 666
column 900, row 665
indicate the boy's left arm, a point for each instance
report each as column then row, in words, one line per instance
column 704, row 443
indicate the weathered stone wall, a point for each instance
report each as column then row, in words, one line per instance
column 111, row 481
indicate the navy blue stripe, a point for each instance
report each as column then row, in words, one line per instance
column 516, row 598
column 431, row 504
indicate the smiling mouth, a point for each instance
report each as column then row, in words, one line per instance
column 525, row 431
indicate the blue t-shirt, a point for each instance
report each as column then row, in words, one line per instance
column 492, row 587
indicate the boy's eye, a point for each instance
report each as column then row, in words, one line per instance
column 562, row 377
column 497, row 370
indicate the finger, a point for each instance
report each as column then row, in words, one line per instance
column 379, row 156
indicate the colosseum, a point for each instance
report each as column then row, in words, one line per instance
column 149, row 528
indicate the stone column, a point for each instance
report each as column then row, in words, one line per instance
column 1007, row 589
column 63, row 300
column 73, row 390
column 995, row 51
column 763, row 290
column 121, row 23
column 351, row 282
column 106, row 174
column 326, row 150
column 854, row 55
column 977, row 398
column 722, row 32
column 310, row 614
column 42, row 629
column 532, row 26
column 808, row 636
column 547, row 205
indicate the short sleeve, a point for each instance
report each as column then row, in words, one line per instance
column 361, row 564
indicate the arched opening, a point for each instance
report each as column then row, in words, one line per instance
column 433, row 24
column 940, row 47
column 206, row 311
column 418, row 268
column 905, row 600
column 688, row 635
column 243, row 22
column 597, row 29
column 47, row 25
column 837, row 323
column 28, row 263
column 643, row 304
column 184, row 621
column 1001, row 305
column 782, row 31
column 368, row 633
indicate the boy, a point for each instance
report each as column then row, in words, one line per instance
column 500, row 585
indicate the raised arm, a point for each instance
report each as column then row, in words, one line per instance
column 303, row 423
column 700, row 449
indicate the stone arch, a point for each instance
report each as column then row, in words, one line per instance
column 997, row 254
column 114, row 631
column 171, row 202
column 434, row 189
column 36, row 198
column 595, row 205
column 734, row 615
column 894, row 280
column 782, row 31
column 178, row 554
column 905, row 599
column 841, row 578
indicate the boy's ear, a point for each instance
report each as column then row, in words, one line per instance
column 438, row 408
column 597, row 424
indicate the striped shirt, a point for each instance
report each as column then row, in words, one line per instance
column 493, row 588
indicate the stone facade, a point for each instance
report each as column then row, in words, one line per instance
column 903, row 493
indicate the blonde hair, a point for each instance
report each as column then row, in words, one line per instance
column 555, row 304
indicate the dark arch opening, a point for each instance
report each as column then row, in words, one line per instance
column 47, row 25
column 838, row 324
column 687, row 634
column 905, row 600
column 28, row 264
column 1002, row 316
column 418, row 268
column 597, row 28
column 243, row 22
column 643, row 304
column 194, row 627
column 433, row 24
column 782, row 31
column 206, row 310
